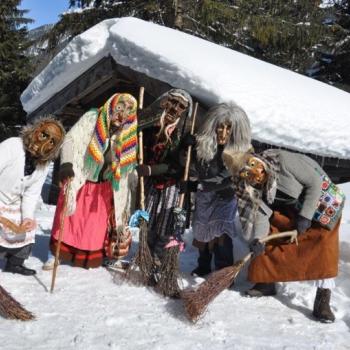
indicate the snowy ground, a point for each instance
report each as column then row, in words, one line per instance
column 92, row 309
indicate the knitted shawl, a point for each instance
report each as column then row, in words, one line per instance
column 123, row 144
column 250, row 198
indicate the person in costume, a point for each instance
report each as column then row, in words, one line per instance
column 226, row 126
column 164, row 124
column 24, row 164
column 280, row 191
column 98, row 156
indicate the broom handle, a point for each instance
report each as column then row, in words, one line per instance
column 60, row 233
column 292, row 234
column 188, row 158
column 142, row 181
column 141, row 94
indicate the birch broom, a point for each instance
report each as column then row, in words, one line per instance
column 197, row 300
column 143, row 259
column 168, row 284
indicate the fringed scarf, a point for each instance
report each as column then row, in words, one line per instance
column 250, row 198
column 123, row 145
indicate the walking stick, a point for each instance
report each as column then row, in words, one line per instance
column 188, row 158
column 60, row 233
column 143, row 257
column 197, row 300
column 168, row 283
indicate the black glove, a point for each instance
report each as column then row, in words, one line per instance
column 66, row 171
column 256, row 247
column 143, row 170
column 188, row 140
column 302, row 224
column 188, row 186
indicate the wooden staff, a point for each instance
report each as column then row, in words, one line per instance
column 142, row 182
column 60, row 233
column 142, row 260
column 188, row 157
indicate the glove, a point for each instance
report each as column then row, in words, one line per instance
column 188, row 186
column 302, row 224
column 143, row 170
column 256, row 247
column 188, row 140
column 66, row 171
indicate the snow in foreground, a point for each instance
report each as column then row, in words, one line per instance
column 92, row 309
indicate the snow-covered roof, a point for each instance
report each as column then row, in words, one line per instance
column 285, row 108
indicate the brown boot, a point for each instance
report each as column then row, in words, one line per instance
column 322, row 310
column 261, row 290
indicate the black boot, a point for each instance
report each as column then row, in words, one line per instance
column 223, row 252
column 204, row 263
column 19, row 269
column 262, row 289
column 322, row 310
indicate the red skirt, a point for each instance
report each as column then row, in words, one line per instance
column 85, row 231
column 77, row 257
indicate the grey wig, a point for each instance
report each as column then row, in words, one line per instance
column 240, row 138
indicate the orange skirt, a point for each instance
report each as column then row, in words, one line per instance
column 315, row 257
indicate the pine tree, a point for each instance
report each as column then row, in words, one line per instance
column 332, row 60
column 14, row 64
column 282, row 32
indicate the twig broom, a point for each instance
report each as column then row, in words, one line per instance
column 143, row 258
column 168, row 284
column 11, row 309
column 197, row 300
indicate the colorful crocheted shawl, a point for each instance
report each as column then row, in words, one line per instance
column 123, row 145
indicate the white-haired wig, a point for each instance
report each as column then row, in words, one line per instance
column 239, row 139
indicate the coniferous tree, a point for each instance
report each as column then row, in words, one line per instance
column 14, row 64
column 332, row 61
column 282, row 32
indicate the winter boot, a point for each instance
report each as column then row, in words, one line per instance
column 223, row 252
column 204, row 263
column 49, row 264
column 322, row 310
column 261, row 290
column 20, row 269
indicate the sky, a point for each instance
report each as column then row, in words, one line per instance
column 44, row 11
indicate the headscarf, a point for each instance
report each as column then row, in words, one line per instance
column 250, row 198
column 154, row 112
column 123, row 149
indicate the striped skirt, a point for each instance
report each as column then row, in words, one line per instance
column 160, row 203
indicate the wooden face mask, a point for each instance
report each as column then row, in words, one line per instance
column 121, row 107
column 254, row 172
column 223, row 133
column 174, row 105
column 45, row 140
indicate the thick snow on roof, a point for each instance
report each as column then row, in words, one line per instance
column 285, row 108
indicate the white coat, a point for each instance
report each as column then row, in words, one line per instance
column 19, row 194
